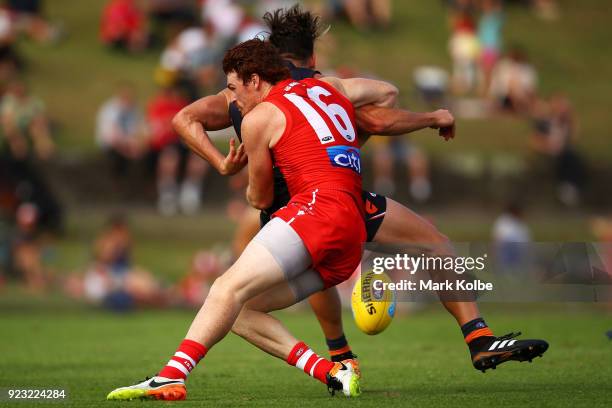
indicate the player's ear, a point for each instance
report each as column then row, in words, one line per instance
column 255, row 80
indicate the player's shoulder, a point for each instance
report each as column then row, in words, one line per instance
column 261, row 112
column 334, row 82
column 262, row 116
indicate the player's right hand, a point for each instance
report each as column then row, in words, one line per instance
column 235, row 160
column 445, row 122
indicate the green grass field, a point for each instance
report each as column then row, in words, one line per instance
column 419, row 361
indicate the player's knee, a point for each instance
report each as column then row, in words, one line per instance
column 223, row 291
column 235, row 288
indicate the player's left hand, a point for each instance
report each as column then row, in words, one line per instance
column 445, row 123
column 235, row 160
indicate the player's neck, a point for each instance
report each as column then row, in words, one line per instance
column 267, row 87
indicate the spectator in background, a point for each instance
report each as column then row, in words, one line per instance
column 510, row 234
column 224, row 17
column 27, row 142
column 554, row 136
column 388, row 151
column 27, row 250
column 510, row 225
column 24, row 117
column 514, row 83
column 169, row 156
column 464, row 47
column 190, row 60
column 120, row 130
column 11, row 62
column 29, row 18
column 432, row 85
column 112, row 279
column 490, row 37
column 123, row 26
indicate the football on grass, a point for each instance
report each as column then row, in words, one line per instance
column 373, row 306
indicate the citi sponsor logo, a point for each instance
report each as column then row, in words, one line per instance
column 345, row 156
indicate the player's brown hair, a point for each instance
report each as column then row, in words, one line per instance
column 293, row 31
column 256, row 57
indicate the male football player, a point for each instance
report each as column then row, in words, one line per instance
column 294, row 32
column 312, row 243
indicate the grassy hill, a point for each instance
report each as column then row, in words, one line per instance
column 75, row 76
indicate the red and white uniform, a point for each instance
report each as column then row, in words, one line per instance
column 319, row 157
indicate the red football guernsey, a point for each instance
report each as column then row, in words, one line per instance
column 319, row 157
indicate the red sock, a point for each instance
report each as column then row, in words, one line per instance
column 184, row 360
column 304, row 358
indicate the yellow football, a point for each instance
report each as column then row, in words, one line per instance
column 373, row 307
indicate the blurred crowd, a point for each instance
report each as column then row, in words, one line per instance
column 114, row 281
column 505, row 81
column 25, row 128
column 137, row 139
column 111, row 279
column 30, row 213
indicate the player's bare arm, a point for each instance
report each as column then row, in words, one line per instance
column 377, row 120
column 374, row 101
column 363, row 91
column 261, row 128
column 205, row 114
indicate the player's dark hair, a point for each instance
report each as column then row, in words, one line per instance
column 293, row 31
column 256, row 57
